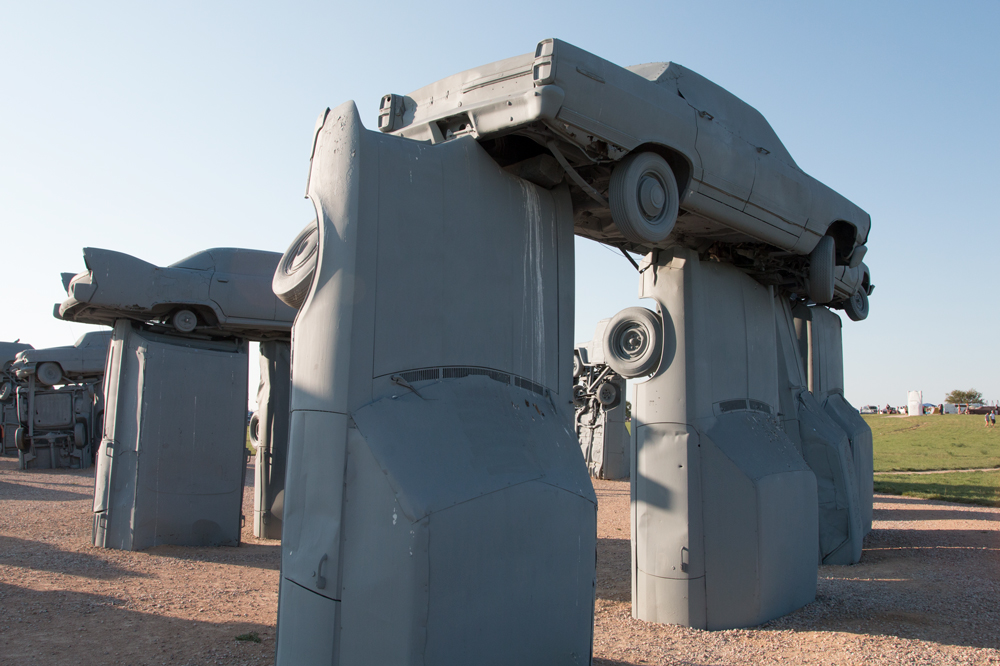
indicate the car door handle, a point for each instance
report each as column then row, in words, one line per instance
column 320, row 578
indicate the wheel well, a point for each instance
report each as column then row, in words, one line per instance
column 844, row 235
column 679, row 164
column 205, row 314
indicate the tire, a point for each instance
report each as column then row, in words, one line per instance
column 80, row 435
column 184, row 321
column 856, row 306
column 608, row 395
column 577, row 366
column 821, row 264
column 294, row 275
column 633, row 341
column 6, row 390
column 255, row 430
column 644, row 199
column 20, row 441
column 49, row 374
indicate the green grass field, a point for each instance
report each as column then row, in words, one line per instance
column 952, row 441
column 966, row 487
column 932, row 442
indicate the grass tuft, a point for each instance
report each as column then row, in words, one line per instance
column 251, row 636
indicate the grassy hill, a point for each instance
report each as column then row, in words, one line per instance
column 951, row 441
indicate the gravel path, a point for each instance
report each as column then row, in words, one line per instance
column 925, row 592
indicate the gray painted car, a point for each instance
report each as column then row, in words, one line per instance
column 81, row 361
column 656, row 155
column 220, row 291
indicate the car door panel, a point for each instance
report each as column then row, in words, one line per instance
column 781, row 194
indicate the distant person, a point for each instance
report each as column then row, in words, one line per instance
column 993, row 419
column 987, row 419
column 941, row 407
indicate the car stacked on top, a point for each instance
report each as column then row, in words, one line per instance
column 221, row 291
column 655, row 155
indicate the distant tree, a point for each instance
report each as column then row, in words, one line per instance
column 957, row 397
column 628, row 410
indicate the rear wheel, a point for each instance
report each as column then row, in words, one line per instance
column 294, row 275
column 821, row 264
column 184, row 321
column 633, row 341
column 643, row 198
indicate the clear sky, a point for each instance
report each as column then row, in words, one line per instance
column 160, row 129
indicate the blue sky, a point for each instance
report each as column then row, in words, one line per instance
column 162, row 129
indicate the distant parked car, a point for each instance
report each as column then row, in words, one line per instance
column 216, row 291
column 869, row 409
column 654, row 155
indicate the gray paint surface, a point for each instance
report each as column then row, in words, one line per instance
column 831, row 435
column 604, row 439
column 273, row 395
column 436, row 503
column 724, row 508
column 828, row 380
column 171, row 463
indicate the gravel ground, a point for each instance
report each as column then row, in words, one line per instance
column 925, row 592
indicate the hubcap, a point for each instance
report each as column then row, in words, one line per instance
column 651, row 196
column 632, row 341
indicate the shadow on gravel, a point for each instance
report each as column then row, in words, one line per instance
column 257, row 555
column 614, row 575
column 948, row 510
column 61, row 627
column 42, row 556
column 941, row 586
column 32, row 493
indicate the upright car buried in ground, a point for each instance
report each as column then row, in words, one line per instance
column 656, row 155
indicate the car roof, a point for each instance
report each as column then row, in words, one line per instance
column 231, row 260
column 94, row 339
column 725, row 107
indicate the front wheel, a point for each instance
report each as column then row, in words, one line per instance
column 644, row 199
column 633, row 341
column 856, row 306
